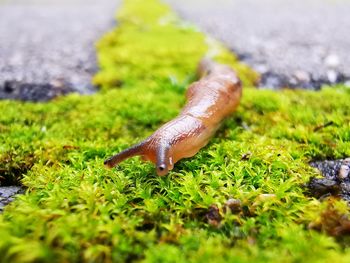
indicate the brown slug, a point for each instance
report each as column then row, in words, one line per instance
column 209, row 100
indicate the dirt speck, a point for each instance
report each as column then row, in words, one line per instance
column 213, row 216
column 233, row 205
column 333, row 222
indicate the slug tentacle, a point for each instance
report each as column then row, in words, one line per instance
column 162, row 157
column 134, row 150
column 209, row 100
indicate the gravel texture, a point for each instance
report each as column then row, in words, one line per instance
column 47, row 46
column 292, row 43
column 336, row 179
column 7, row 193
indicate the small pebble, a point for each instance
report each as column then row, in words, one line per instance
column 302, row 76
column 343, row 172
column 332, row 76
column 345, row 187
column 235, row 205
column 332, row 61
column 262, row 68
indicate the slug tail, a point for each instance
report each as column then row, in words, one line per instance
column 205, row 67
column 127, row 153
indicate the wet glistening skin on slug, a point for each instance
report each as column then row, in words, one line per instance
column 209, row 100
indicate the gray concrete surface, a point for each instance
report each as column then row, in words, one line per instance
column 294, row 43
column 47, row 46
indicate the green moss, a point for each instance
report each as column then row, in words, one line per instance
column 155, row 47
column 76, row 210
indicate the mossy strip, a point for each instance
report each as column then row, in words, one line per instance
column 75, row 210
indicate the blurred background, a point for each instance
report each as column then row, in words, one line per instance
column 292, row 43
column 47, row 46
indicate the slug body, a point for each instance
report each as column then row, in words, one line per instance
column 209, row 100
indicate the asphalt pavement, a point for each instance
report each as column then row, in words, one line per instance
column 292, row 43
column 47, row 46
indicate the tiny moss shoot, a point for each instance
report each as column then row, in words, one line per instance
column 75, row 210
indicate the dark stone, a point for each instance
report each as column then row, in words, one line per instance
column 335, row 181
column 213, row 216
column 320, row 187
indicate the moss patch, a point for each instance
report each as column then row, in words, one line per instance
column 76, row 210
